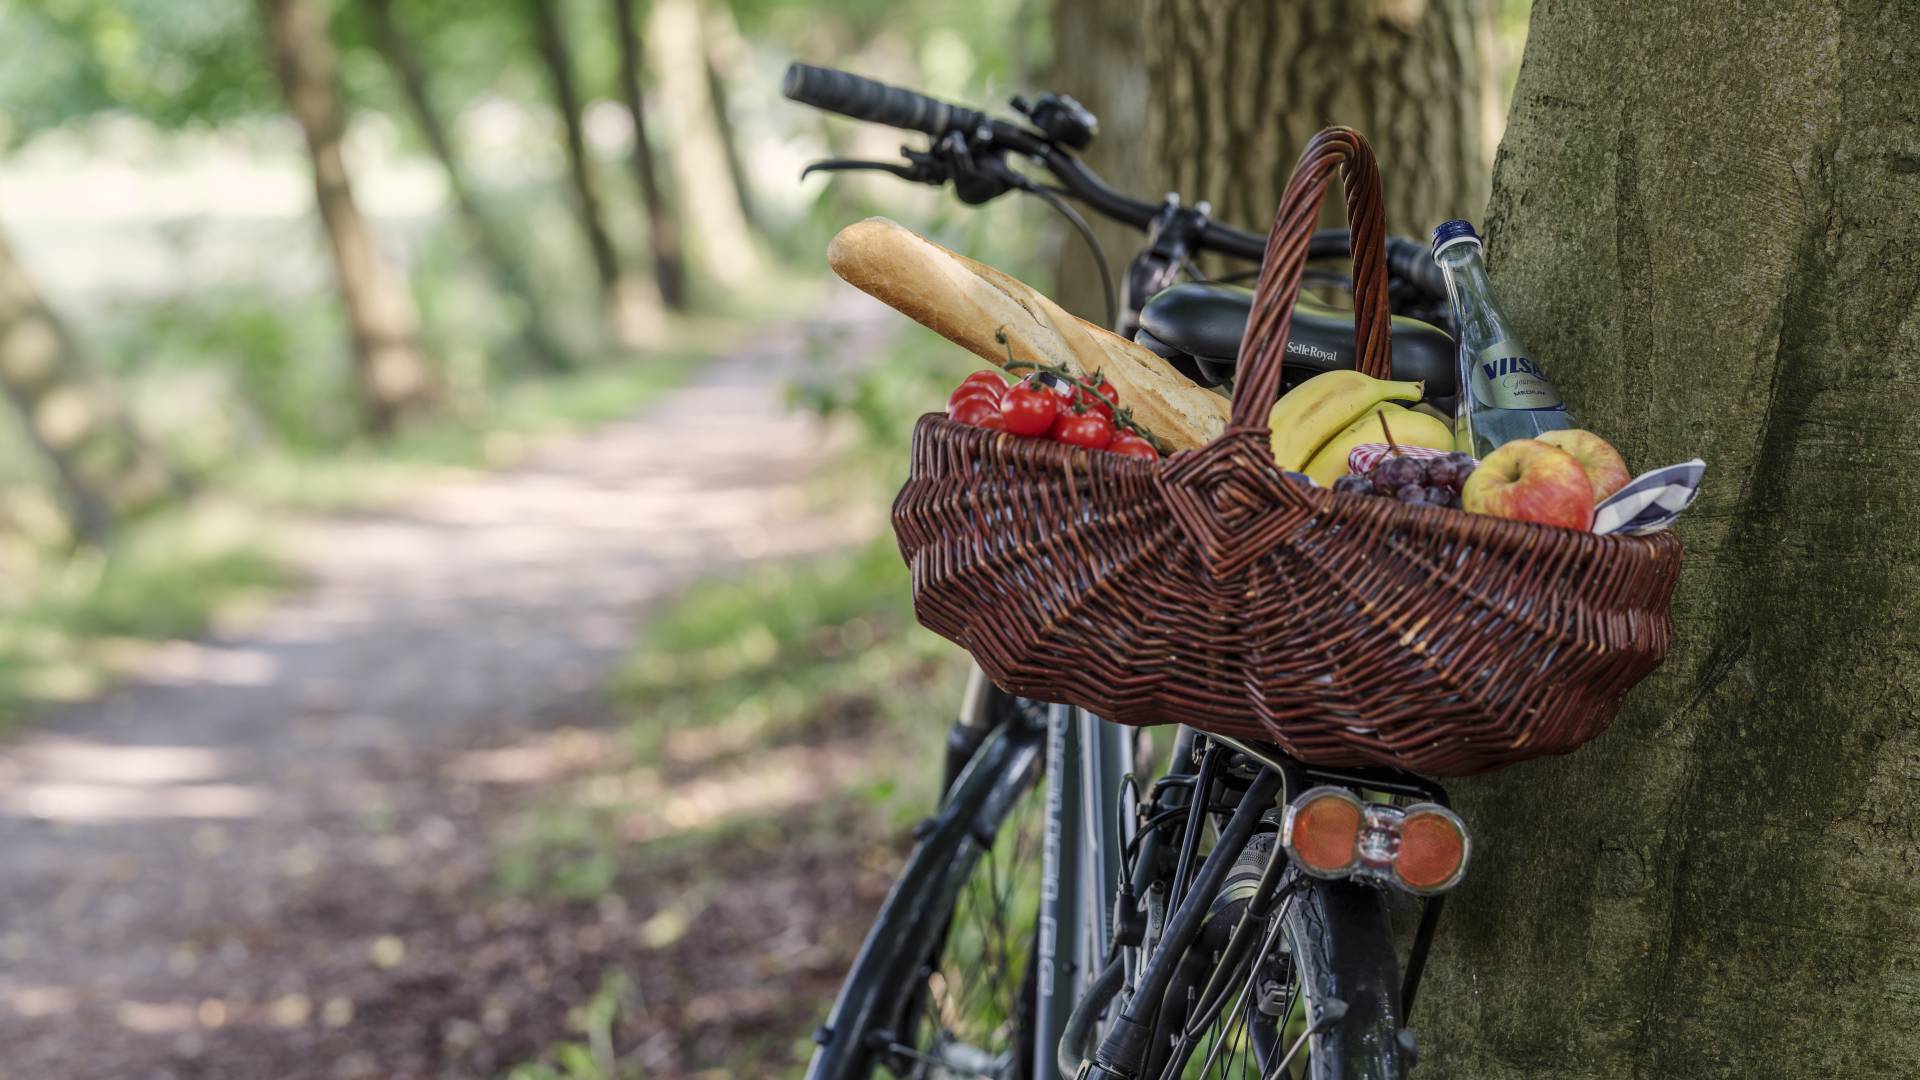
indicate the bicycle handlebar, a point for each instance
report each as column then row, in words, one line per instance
column 864, row 99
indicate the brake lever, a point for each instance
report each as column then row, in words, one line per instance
column 904, row 172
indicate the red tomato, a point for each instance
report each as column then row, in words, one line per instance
column 1126, row 442
column 1103, row 398
column 969, row 411
column 1029, row 410
column 965, row 391
column 989, row 379
column 1088, row 430
column 992, row 421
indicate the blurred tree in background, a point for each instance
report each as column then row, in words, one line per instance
column 102, row 466
column 394, row 379
column 663, row 229
column 630, row 316
column 510, row 277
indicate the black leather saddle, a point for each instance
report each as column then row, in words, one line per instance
column 1197, row 327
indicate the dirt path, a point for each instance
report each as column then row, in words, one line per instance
column 265, row 856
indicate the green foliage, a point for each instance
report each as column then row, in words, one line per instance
column 170, row 63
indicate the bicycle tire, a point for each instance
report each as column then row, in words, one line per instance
column 1340, row 947
column 1343, row 932
column 888, row 972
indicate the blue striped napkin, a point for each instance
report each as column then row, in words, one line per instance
column 1651, row 501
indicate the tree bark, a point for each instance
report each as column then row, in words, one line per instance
column 512, row 284
column 710, row 207
column 102, row 467
column 1703, row 219
column 394, row 378
column 663, row 228
column 1237, row 87
column 628, row 311
column 1097, row 60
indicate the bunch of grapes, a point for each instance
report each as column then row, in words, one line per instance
column 1433, row 481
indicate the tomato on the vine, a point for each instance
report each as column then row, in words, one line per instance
column 1029, row 410
column 1132, row 445
column 963, row 392
column 992, row 421
column 1088, row 430
column 991, row 380
column 1102, row 398
column 970, row 410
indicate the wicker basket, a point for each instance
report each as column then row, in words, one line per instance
column 1209, row 590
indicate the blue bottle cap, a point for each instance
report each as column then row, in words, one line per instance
column 1449, row 233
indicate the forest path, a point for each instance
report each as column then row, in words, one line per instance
column 265, row 854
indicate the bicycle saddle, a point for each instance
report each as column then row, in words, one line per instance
column 1197, row 327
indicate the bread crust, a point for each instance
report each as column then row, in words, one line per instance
column 969, row 303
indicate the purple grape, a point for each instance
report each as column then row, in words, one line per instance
column 1395, row 473
column 1442, row 472
column 1442, row 496
column 1463, row 466
column 1353, row 484
column 1412, row 493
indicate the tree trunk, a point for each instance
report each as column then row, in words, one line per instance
column 394, row 378
column 709, row 205
column 1703, row 220
column 629, row 311
column 1099, row 63
column 727, row 56
column 663, row 228
column 101, row 466
column 488, row 244
column 1237, row 87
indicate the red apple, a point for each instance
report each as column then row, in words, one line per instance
column 1527, row 480
column 1605, row 467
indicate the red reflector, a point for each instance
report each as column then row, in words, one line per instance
column 1433, row 850
column 1325, row 831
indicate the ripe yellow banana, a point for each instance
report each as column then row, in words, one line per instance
column 1315, row 411
column 1410, row 428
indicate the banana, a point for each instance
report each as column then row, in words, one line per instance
column 1410, row 428
column 1315, row 411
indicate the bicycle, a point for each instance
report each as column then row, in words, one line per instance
column 1059, row 917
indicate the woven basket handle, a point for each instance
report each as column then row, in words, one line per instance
column 1265, row 345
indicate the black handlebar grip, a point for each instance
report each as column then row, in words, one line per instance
column 863, row 99
column 1410, row 261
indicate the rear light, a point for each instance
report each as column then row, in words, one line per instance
column 1323, row 831
column 1432, row 856
column 1329, row 832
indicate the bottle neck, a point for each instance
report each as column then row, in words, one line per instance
column 1471, row 293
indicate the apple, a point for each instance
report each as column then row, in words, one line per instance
column 1527, row 480
column 1605, row 467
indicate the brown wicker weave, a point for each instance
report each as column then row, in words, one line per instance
column 1208, row 590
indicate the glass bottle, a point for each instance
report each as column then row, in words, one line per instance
column 1504, row 395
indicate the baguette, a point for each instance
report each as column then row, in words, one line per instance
column 968, row 303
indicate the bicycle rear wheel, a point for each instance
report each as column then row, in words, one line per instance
column 942, row 986
column 1316, row 997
